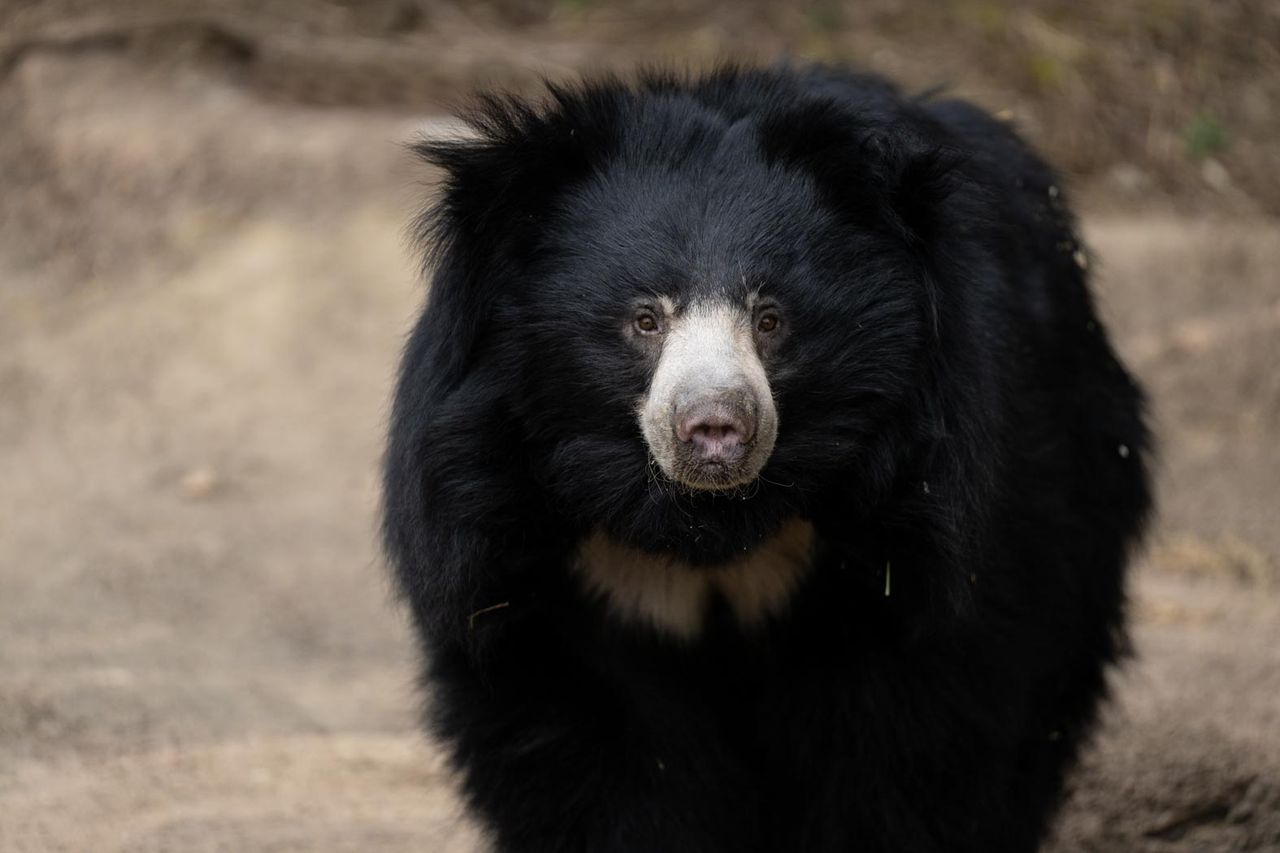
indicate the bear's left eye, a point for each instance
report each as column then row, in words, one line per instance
column 647, row 323
column 767, row 322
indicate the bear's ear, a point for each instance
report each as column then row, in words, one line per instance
column 499, row 182
column 878, row 171
column 516, row 155
column 920, row 179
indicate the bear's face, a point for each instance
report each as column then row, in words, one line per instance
column 708, row 349
column 709, row 417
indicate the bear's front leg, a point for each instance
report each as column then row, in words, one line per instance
column 555, row 758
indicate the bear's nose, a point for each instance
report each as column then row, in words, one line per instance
column 717, row 428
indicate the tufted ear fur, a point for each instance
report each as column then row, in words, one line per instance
column 498, row 185
column 453, row 472
column 894, row 183
column 877, row 178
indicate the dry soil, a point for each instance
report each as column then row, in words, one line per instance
column 202, row 296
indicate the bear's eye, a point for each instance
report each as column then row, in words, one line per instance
column 767, row 322
column 647, row 323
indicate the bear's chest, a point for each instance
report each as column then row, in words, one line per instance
column 675, row 598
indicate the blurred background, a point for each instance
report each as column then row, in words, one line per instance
column 204, row 284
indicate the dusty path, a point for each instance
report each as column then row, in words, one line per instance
column 198, row 651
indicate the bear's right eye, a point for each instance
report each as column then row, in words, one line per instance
column 647, row 323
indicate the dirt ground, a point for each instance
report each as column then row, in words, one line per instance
column 202, row 295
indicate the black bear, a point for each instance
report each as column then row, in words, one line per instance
column 760, row 477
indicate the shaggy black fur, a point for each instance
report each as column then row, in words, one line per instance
column 949, row 406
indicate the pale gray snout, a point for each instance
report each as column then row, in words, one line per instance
column 709, row 417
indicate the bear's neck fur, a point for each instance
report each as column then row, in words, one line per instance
column 673, row 596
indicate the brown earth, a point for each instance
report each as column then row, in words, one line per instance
column 202, row 294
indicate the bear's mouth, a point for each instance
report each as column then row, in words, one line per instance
column 715, row 475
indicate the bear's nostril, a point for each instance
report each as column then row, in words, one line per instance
column 711, row 438
column 714, row 435
column 715, row 426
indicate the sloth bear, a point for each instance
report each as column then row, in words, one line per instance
column 760, row 477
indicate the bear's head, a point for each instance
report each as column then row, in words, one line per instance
column 702, row 321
